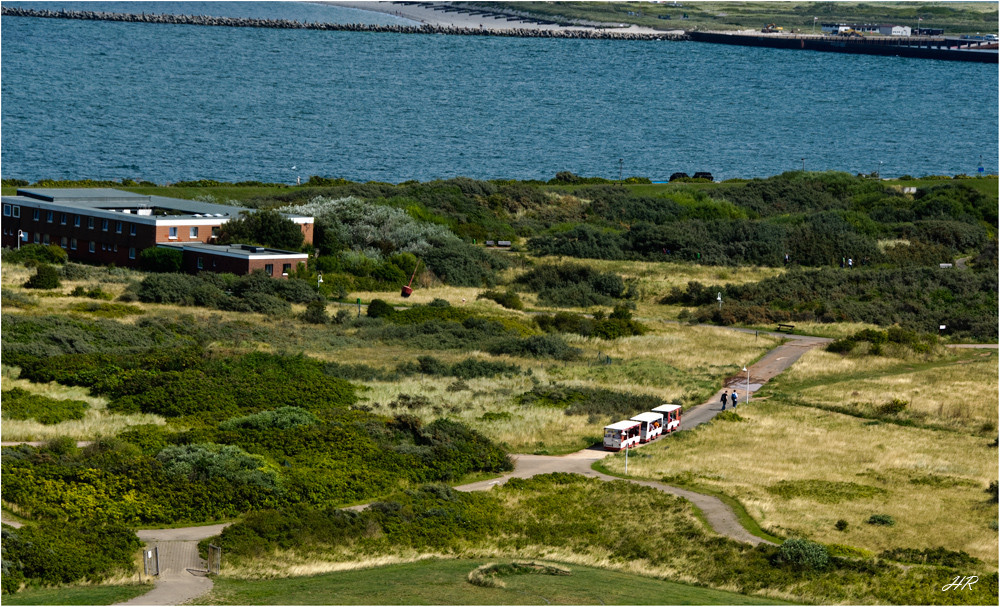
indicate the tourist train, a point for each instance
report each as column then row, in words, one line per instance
column 642, row 428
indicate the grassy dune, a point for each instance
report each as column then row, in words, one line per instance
column 76, row 595
column 443, row 582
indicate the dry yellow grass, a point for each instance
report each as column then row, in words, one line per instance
column 97, row 421
column 959, row 390
column 947, row 506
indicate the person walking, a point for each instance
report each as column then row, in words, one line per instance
column 724, row 397
column 735, row 398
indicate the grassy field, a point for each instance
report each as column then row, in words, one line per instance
column 957, row 391
column 76, row 595
column 443, row 582
column 799, row 469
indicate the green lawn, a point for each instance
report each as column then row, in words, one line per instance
column 444, row 582
column 78, row 595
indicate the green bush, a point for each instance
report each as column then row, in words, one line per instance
column 536, row 346
column 36, row 253
column 45, row 277
column 841, row 525
column 21, row 404
column 282, row 419
column 378, row 308
column 316, row 313
column 15, row 299
column 803, row 554
column 881, row 519
column 161, row 259
column 573, row 285
column 202, row 462
column 62, row 553
column 267, row 227
column 508, row 299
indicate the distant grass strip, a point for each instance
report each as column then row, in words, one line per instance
column 77, row 595
column 444, row 582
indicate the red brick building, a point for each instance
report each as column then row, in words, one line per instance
column 104, row 226
column 238, row 259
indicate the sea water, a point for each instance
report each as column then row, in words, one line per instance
column 104, row 100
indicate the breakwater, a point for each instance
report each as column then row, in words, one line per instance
column 204, row 20
column 920, row 48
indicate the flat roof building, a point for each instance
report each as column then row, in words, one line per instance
column 104, row 225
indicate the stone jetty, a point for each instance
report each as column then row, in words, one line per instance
column 205, row 20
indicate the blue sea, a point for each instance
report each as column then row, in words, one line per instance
column 102, row 100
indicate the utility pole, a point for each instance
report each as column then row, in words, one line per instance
column 803, row 165
column 621, row 162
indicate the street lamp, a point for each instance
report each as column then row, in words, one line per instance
column 803, row 165
column 20, row 237
column 719, row 297
column 748, row 382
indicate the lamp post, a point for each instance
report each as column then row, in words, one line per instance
column 814, row 24
column 20, row 236
column 621, row 165
column 803, row 165
column 748, row 382
column 719, row 297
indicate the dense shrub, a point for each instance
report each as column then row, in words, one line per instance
column 573, row 285
column 316, row 313
column 161, row 259
column 536, row 346
column 282, row 419
column 508, row 299
column 202, row 462
column 917, row 299
column 940, row 557
column 881, row 519
column 266, row 227
column 378, row 308
column 470, row 368
column 803, row 554
column 21, row 404
column 45, row 277
column 36, row 253
column 61, row 553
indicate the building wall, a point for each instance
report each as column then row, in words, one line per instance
column 110, row 245
column 234, row 265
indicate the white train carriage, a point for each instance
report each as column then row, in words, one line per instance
column 671, row 417
column 622, row 435
column 651, row 426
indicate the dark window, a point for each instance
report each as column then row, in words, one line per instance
column 36, row 214
column 104, row 225
column 201, row 263
column 72, row 244
column 93, row 246
column 118, row 227
column 131, row 229
column 62, row 218
column 76, row 221
column 90, row 223
column 6, row 210
column 131, row 253
column 49, row 215
column 269, row 269
column 17, row 211
column 285, row 269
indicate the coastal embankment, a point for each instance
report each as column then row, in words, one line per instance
column 491, row 23
column 205, row 20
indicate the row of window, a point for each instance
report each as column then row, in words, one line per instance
column 50, row 217
column 286, row 268
column 68, row 243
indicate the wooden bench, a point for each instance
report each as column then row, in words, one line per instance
column 788, row 328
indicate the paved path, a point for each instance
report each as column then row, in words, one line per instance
column 182, row 572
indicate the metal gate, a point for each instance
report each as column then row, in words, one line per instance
column 151, row 561
column 214, row 558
